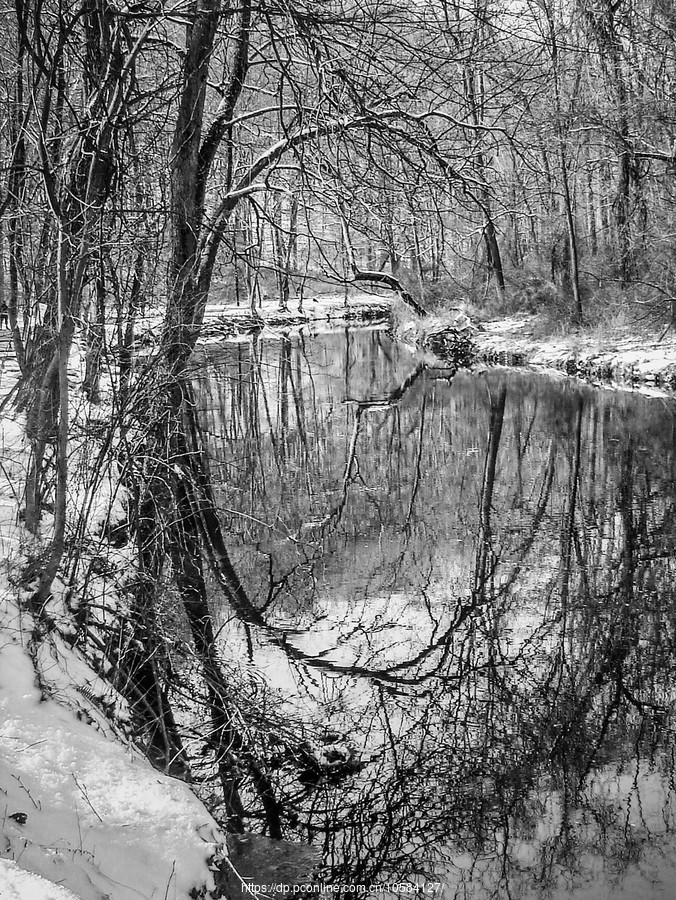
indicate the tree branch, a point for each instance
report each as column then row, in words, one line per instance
column 383, row 278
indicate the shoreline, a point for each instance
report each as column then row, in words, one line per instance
column 623, row 355
column 231, row 321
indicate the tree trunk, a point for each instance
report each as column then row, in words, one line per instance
column 95, row 336
column 572, row 238
column 572, row 254
column 493, row 250
column 591, row 215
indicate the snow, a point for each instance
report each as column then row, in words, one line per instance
column 18, row 884
column 87, row 812
column 622, row 356
column 83, row 814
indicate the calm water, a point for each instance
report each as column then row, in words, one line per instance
column 455, row 664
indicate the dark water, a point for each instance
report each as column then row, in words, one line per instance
column 459, row 668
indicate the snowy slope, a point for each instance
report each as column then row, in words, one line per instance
column 86, row 812
column 83, row 816
column 18, row 884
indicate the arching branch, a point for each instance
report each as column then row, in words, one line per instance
column 384, row 278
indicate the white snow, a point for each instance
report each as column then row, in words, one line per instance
column 18, row 884
column 635, row 361
column 83, row 815
column 87, row 812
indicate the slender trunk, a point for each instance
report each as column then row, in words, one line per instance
column 574, row 273
column 572, row 237
column 489, row 232
column 418, row 259
column 604, row 203
column 602, row 21
column 622, row 213
column 493, row 249
column 58, row 542
column 591, row 214
column 392, row 248
column 16, row 188
column 292, row 246
column 135, row 307
column 3, row 297
column 280, row 254
column 95, row 336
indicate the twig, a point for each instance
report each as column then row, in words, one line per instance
column 173, row 874
column 35, row 803
column 83, row 791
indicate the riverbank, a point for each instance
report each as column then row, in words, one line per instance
column 625, row 354
column 86, row 816
column 231, row 321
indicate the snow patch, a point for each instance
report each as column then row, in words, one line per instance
column 18, row 884
column 87, row 812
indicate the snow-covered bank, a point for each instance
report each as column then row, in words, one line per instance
column 622, row 356
column 88, row 813
column 224, row 321
column 18, row 884
column 83, row 815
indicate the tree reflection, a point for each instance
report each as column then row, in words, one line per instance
column 457, row 596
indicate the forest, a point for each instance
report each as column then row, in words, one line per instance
column 162, row 157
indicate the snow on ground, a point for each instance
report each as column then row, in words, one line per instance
column 85, row 811
column 623, row 356
column 18, row 884
column 83, row 816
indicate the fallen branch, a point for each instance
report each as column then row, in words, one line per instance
column 384, row 278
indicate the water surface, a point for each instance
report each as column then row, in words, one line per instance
column 462, row 645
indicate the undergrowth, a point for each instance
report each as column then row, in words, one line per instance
column 644, row 307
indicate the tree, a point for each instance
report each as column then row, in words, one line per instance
column 571, row 256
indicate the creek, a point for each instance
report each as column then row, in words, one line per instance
column 465, row 595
